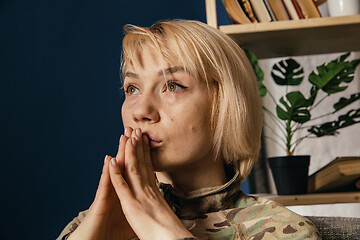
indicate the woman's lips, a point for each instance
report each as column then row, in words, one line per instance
column 154, row 142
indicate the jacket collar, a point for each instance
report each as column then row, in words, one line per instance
column 195, row 204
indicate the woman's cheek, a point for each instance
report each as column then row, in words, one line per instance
column 126, row 112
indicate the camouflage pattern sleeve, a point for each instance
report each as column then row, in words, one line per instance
column 71, row 227
column 268, row 220
column 252, row 219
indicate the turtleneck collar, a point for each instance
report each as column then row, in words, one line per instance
column 194, row 204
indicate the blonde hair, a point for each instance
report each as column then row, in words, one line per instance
column 212, row 56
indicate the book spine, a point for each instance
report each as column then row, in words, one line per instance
column 260, row 10
column 298, row 9
column 268, row 8
column 291, row 9
column 309, row 8
column 316, row 6
column 278, row 10
column 248, row 10
column 285, row 9
column 253, row 11
column 235, row 12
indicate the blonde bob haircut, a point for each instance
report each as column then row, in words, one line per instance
column 213, row 57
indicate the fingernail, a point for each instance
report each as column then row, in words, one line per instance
column 121, row 137
column 138, row 132
column 105, row 158
column 126, row 132
column 133, row 141
column 113, row 162
column 145, row 139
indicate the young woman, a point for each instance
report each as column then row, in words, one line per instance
column 192, row 115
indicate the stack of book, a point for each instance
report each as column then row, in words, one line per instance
column 337, row 175
column 253, row 11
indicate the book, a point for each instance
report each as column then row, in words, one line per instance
column 268, row 8
column 235, row 12
column 278, row 9
column 291, row 9
column 260, row 10
column 247, row 8
column 309, row 8
column 336, row 174
column 298, row 9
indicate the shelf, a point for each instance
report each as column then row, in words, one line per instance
column 315, row 198
column 298, row 37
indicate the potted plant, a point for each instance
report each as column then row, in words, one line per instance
column 294, row 110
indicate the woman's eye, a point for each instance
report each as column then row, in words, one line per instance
column 131, row 90
column 172, row 87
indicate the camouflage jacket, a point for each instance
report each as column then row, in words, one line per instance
column 225, row 212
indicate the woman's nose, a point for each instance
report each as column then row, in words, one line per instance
column 146, row 110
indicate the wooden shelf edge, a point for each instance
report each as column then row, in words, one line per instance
column 290, row 24
column 315, row 198
column 298, row 37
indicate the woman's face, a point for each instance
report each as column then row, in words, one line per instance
column 173, row 110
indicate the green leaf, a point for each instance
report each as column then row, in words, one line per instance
column 258, row 72
column 262, row 89
column 355, row 62
column 344, row 56
column 313, row 93
column 287, row 72
column 330, row 128
column 343, row 102
column 331, row 76
column 295, row 108
column 255, row 64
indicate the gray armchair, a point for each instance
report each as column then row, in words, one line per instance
column 337, row 228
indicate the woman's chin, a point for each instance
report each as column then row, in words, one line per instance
column 161, row 165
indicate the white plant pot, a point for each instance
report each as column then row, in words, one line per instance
column 343, row 7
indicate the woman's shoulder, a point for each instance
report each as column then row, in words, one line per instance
column 253, row 218
column 261, row 218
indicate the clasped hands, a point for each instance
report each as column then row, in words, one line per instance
column 127, row 202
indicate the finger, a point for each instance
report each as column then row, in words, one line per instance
column 140, row 155
column 135, row 214
column 146, row 224
column 142, row 173
column 138, row 160
column 121, row 147
column 139, row 144
column 121, row 187
column 128, row 131
column 105, row 186
column 150, row 169
column 132, row 208
column 147, row 161
column 120, row 156
column 132, row 170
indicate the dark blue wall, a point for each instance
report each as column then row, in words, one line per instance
column 60, row 103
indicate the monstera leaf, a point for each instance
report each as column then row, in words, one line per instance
column 343, row 102
column 258, row 72
column 287, row 72
column 295, row 108
column 331, row 76
column 262, row 89
column 330, row 128
column 313, row 93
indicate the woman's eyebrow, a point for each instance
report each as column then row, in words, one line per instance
column 172, row 70
column 169, row 70
column 131, row 75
